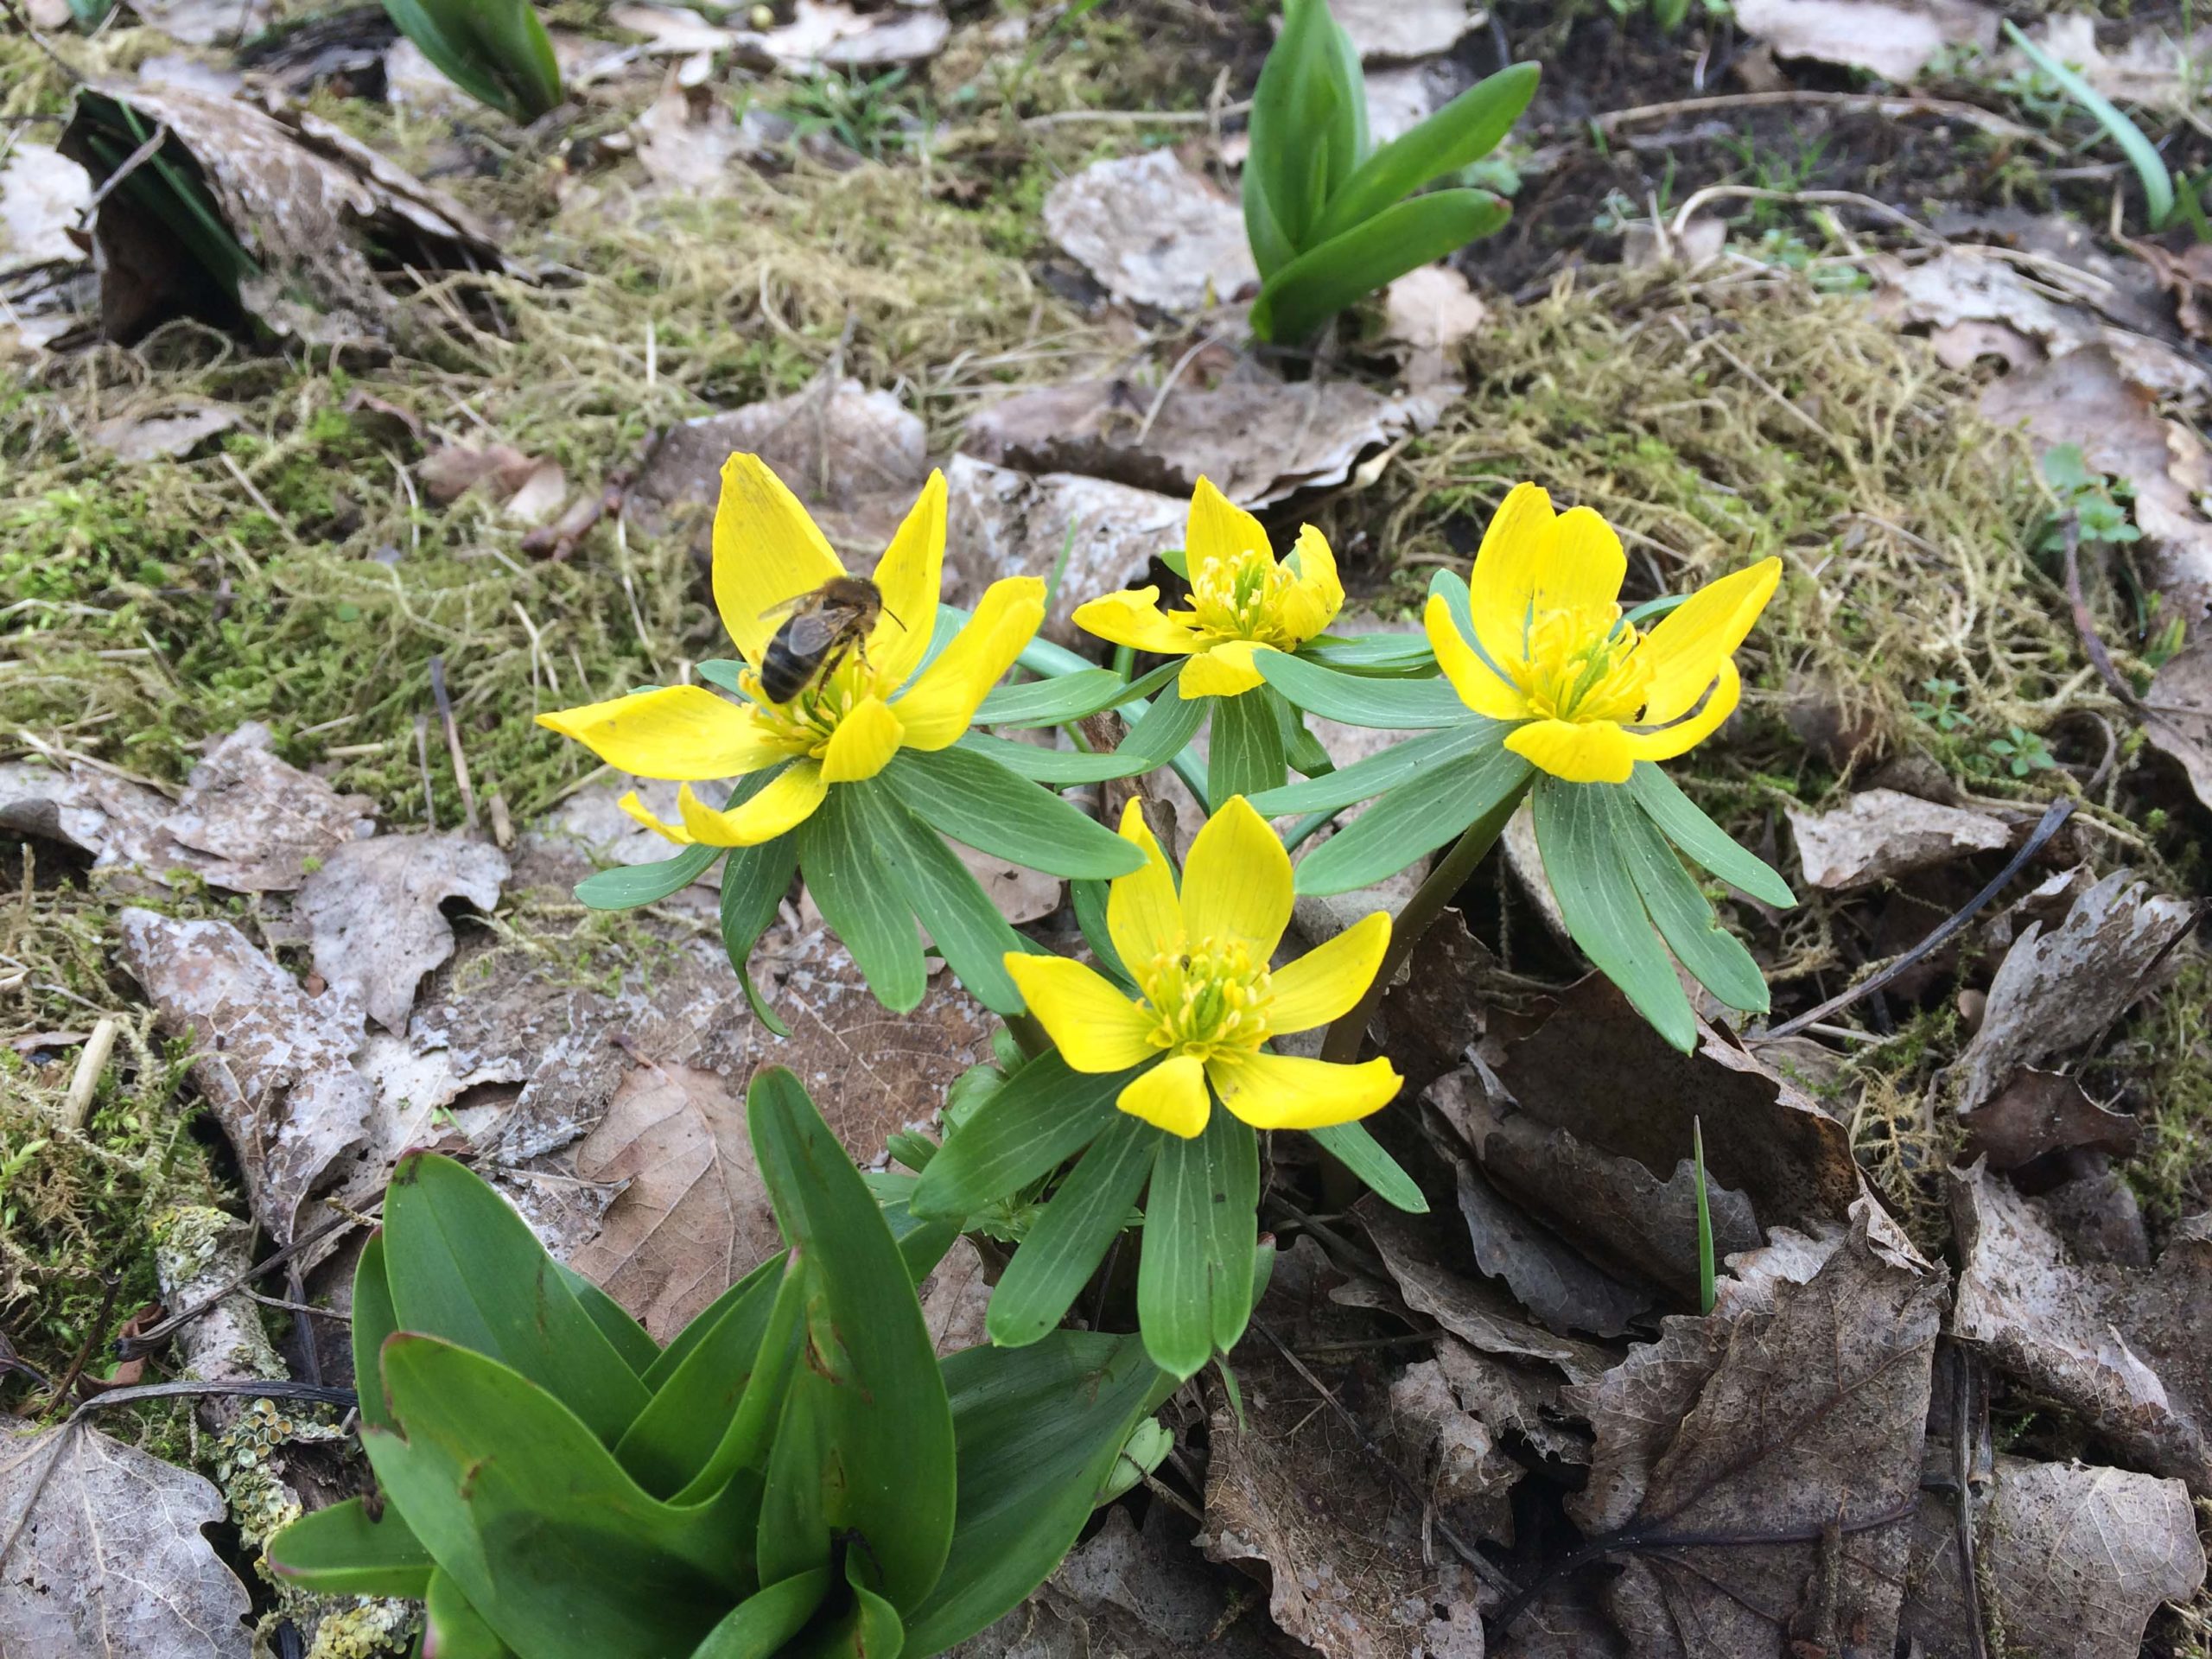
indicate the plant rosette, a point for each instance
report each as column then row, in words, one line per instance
column 1158, row 1080
column 1550, row 690
column 857, row 779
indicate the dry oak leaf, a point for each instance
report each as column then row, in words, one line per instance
column 275, row 1065
column 373, row 912
column 2071, row 1560
column 2062, row 987
column 1880, row 834
column 110, row 1560
column 2038, row 1112
column 1758, row 1474
column 2122, row 1347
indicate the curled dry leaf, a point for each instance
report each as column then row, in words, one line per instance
column 1151, row 231
column 1616, row 1210
column 168, row 432
column 1523, row 1401
column 1008, row 523
column 1400, row 31
column 451, row 470
column 42, row 195
column 110, row 1559
column 2071, row 1561
column 2178, row 713
column 2121, row 1347
column 2060, row 987
column 1344, row 1576
column 693, row 1216
column 687, row 139
column 2038, row 1112
column 253, row 822
column 374, row 911
column 275, row 1065
column 1456, row 1456
column 1260, row 439
column 1880, row 834
column 1894, row 39
column 1758, row 1474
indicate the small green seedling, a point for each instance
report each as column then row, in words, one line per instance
column 2170, row 194
column 1705, row 1294
column 494, row 50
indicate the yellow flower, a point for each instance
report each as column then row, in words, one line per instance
column 1207, row 998
column 1242, row 599
column 1551, row 648
column 846, row 725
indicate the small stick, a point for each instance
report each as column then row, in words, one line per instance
column 1962, row 1444
column 422, row 759
column 1865, row 103
column 453, row 745
column 76, row 1105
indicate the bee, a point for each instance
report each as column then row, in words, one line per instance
column 818, row 630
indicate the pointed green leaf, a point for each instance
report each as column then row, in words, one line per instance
column 341, row 1551
column 463, row 1265
column 1039, row 1428
column 1194, row 1281
column 1363, row 699
column 675, row 1436
column 1416, row 756
column 869, row 1374
column 1714, row 956
column 639, row 1351
column 1370, row 653
column 2142, row 155
column 758, row 1627
column 628, row 886
column 1038, row 1118
column 1706, row 844
column 1383, row 1175
column 968, row 928
column 494, row 50
column 559, row 1551
column 1161, row 733
column 452, row 1628
column 373, row 1320
column 794, row 1539
column 844, row 866
column 1245, row 756
column 1313, row 288
column 707, row 1320
column 1067, row 1241
column 1415, row 818
column 979, row 803
column 1463, row 132
column 754, row 882
column 1065, row 698
column 1586, row 867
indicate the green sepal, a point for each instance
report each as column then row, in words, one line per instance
column 1705, row 843
column 1194, row 1281
column 1245, row 756
column 1415, row 818
column 844, row 866
column 464, row 1267
column 1071, row 1236
column 628, row 886
column 1585, row 859
column 969, row 930
column 1365, row 1156
column 982, row 804
column 1389, row 705
column 341, row 1551
column 1161, row 733
column 1038, row 1118
column 1068, row 696
column 1715, row 957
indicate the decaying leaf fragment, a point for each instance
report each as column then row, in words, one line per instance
column 1151, row 231
column 2123, row 1348
column 1880, row 834
column 373, row 910
column 1758, row 1474
column 110, row 1560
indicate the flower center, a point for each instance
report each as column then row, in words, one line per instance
column 805, row 723
column 1240, row 596
column 1582, row 665
column 1208, row 999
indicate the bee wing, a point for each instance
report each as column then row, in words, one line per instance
column 811, row 633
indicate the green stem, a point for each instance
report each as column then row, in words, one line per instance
column 1428, row 902
column 1029, row 1031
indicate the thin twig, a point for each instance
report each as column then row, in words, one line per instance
column 2055, row 815
column 453, row 743
column 1962, row 1469
column 1486, row 1569
column 1852, row 103
column 76, row 1105
column 2085, row 626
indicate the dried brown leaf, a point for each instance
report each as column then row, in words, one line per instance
column 374, row 911
column 1151, row 231
column 1880, row 834
column 2036, row 1113
column 1894, row 39
column 252, row 822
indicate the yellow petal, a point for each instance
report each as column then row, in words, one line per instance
column 1531, row 562
column 1312, row 603
column 1237, row 883
column 1171, row 1096
column 660, row 826
column 788, row 799
column 768, row 552
column 1133, row 617
column 1479, row 689
column 1582, row 752
column 1144, row 918
column 866, row 739
column 679, row 732
column 909, row 576
column 1094, row 1025
column 1687, row 646
column 941, row 705
column 1218, row 527
column 1279, row 1091
column 1328, row 981
column 1222, row 670
column 1686, row 735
